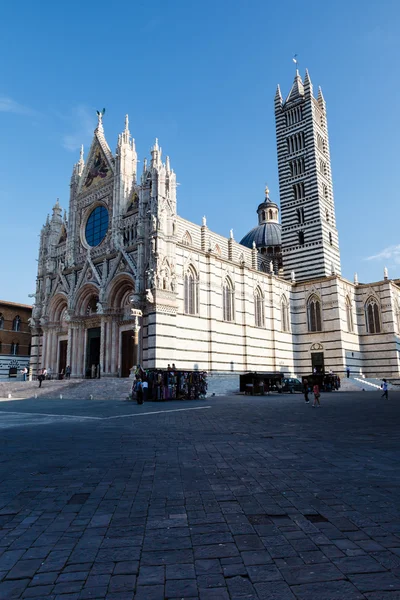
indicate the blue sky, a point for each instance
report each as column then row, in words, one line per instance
column 202, row 78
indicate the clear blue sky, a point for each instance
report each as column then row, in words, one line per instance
column 201, row 76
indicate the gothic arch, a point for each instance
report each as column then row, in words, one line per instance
column 84, row 296
column 314, row 313
column 119, row 291
column 57, row 306
column 373, row 318
column 217, row 250
column 187, row 239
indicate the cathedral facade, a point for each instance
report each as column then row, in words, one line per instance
column 275, row 301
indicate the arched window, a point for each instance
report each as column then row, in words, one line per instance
column 191, row 292
column 330, row 239
column 285, row 314
column 1, row 321
column 372, row 316
column 314, row 314
column 14, row 349
column 259, row 308
column 92, row 306
column 187, row 239
column 349, row 315
column 228, row 300
column 301, row 238
column 16, row 323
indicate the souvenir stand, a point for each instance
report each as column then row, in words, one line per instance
column 171, row 384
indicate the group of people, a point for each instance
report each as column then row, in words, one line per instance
column 46, row 374
column 140, row 387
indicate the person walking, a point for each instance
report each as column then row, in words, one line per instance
column 385, row 389
column 40, row 377
column 67, row 372
column 145, row 389
column 24, row 372
column 305, row 390
column 139, row 391
column 348, row 372
column 316, row 395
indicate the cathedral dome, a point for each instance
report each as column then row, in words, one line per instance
column 266, row 234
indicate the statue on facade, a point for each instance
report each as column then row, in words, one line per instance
column 149, row 296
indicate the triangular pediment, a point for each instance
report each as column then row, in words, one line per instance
column 99, row 167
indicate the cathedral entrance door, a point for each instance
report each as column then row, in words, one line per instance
column 93, row 348
column 126, row 353
column 317, row 361
column 62, row 356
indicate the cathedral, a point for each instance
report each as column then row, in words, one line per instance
column 123, row 279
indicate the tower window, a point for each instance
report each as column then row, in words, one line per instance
column 294, row 115
column 259, row 308
column 295, row 142
column 299, row 190
column 330, row 239
column 14, row 349
column 314, row 314
column 322, row 167
column 297, row 167
column 325, row 190
column 301, row 238
column 327, row 215
column 372, row 316
column 300, row 215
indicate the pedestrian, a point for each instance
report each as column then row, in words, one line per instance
column 316, row 395
column 145, row 389
column 139, row 391
column 305, row 390
column 67, row 372
column 348, row 372
column 24, row 372
column 40, row 377
column 44, row 374
column 385, row 390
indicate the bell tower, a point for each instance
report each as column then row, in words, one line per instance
column 310, row 243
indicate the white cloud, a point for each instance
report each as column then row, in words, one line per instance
column 9, row 105
column 83, row 122
column 389, row 253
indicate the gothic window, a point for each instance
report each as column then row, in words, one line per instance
column 92, row 306
column 270, row 214
column 16, row 323
column 325, row 190
column 217, row 250
column 327, row 215
column 259, row 308
column 301, row 238
column 284, row 314
column 299, row 190
column 191, row 292
column 300, row 215
column 187, row 239
column 314, row 314
column 228, row 300
column 1, row 321
column 372, row 316
column 322, row 167
column 349, row 315
column 14, row 348
column 330, row 239
column 263, row 215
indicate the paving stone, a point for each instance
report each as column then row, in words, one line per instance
column 215, row 551
column 151, row 575
column 362, row 564
column 121, row 583
column 256, row 557
column 333, row 590
column 311, row 574
column 182, row 571
column 274, row 590
column 204, row 566
column 38, row 591
column 259, row 573
column 214, row 594
column 372, row 582
column 212, row 580
column 181, row 588
column 150, row 592
column 239, row 586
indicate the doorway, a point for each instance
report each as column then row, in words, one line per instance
column 62, row 356
column 317, row 362
column 126, row 353
column 93, row 348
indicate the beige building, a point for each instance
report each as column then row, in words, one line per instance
column 273, row 302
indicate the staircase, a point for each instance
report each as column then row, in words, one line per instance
column 107, row 388
column 359, row 384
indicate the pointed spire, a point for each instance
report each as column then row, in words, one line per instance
column 385, row 273
column 156, row 146
column 145, row 165
column 126, row 123
column 48, row 220
column 167, row 165
column 81, row 155
column 308, row 86
column 65, row 215
column 278, row 96
column 355, row 279
column 297, row 89
column 321, row 99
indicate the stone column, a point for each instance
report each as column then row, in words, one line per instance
column 69, row 345
column 102, row 345
column 114, row 345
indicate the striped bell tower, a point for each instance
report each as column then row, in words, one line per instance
column 310, row 243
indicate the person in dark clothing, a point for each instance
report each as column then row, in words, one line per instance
column 305, row 390
column 139, row 391
column 67, row 372
column 40, row 378
column 348, row 372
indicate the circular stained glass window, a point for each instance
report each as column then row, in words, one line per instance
column 96, row 226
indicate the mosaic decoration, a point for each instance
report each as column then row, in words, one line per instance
column 98, row 170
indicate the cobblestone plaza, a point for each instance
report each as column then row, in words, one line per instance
column 225, row 499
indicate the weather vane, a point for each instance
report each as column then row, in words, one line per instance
column 296, row 61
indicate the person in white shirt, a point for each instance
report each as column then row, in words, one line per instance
column 145, row 386
column 385, row 390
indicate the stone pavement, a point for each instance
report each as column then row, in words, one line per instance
column 230, row 498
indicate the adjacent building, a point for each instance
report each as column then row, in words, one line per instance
column 275, row 301
column 15, row 338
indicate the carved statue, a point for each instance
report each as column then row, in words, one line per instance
column 149, row 296
column 99, row 308
column 154, row 222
